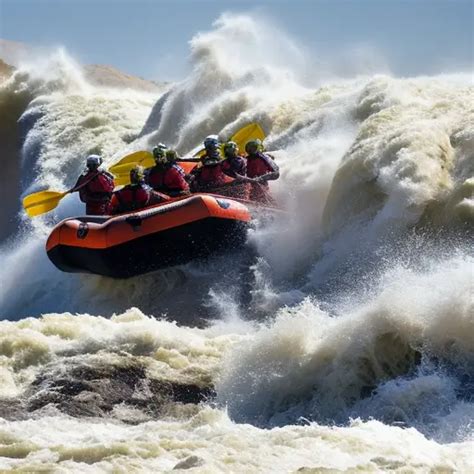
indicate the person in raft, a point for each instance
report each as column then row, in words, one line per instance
column 167, row 176
column 261, row 168
column 235, row 166
column 135, row 195
column 95, row 187
column 210, row 175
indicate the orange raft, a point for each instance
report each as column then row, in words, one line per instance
column 164, row 235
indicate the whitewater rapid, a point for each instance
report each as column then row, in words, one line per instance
column 341, row 338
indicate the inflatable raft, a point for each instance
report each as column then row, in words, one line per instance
column 164, row 235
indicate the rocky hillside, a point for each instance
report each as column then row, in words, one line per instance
column 102, row 75
column 11, row 52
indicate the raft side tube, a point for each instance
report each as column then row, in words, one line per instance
column 168, row 248
column 157, row 237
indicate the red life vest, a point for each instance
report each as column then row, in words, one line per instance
column 167, row 179
column 211, row 176
column 237, row 164
column 134, row 197
column 98, row 189
column 97, row 192
column 258, row 165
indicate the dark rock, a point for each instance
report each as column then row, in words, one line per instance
column 189, row 463
column 81, row 389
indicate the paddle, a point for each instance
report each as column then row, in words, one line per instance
column 252, row 131
column 142, row 158
column 44, row 201
column 122, row 172
column 41, row 202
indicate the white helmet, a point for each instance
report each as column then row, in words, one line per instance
column 212, row 142
column 93, row 162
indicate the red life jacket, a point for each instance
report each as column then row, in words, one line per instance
column 134, row 197
column 167, row 179
column 210, row 176
column 97, row 192
column 98, row 189
column 259, row 165
column 237, row 164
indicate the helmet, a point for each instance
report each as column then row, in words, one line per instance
column 159, row 152
column 171, row 156
column 93, row 162
column 253, row 146
column 137, row 175
column 211, row 142
column 231, row 148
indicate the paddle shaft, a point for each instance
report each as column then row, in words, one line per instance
column 189, row 160
column 83, row 185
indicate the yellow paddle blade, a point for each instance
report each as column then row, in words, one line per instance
column 122, row 179
column 41, row 202
column 143, row 158
column 252, row 131
column 118, row 170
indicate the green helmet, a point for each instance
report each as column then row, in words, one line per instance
column 231, row 148
column 171, row 156
column 159, row 152
column 137, row 175
column 253, row 146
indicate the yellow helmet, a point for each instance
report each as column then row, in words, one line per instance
column 159, row 152
column 137, row 175
column 171, row 156
column 231, row 148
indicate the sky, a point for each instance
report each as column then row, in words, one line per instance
column 149, row 38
